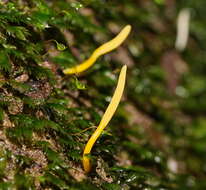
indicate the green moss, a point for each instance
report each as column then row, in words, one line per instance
column 156, row 139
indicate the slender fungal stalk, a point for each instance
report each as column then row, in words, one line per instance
column 106, row 117
column 103, row 49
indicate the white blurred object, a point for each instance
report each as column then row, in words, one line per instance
column 172, row 165
column 183, row 22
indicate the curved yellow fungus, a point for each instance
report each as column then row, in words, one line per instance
column 105, row 48
column 106, row 117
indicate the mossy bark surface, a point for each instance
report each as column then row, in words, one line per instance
column 156, row 140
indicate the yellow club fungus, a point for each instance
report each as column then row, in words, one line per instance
column 103, row 49
column 106, row 118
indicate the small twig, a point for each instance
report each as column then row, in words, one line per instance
column 84, row 130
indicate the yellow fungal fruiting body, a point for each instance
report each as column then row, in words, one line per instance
column 103, row 49
column 106, row 117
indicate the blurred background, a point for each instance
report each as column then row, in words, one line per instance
column 157, row 138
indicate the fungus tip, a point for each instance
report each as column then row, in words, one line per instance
column 103, row 49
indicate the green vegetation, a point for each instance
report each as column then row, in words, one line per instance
column 157, row 138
